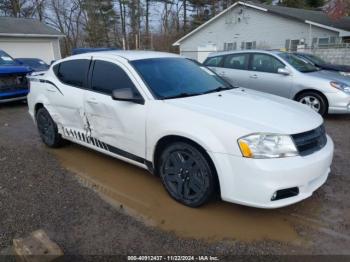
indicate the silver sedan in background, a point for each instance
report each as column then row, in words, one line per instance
column 284, row 74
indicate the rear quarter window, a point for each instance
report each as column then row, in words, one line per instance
column 213, row 61
column 73, row 72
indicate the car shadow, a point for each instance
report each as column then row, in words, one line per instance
column 337, row 117
column 13, row 104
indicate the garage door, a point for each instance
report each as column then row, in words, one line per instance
column 204, row 51
column 29, row 49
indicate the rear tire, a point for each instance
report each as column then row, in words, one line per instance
column 48, row 129
column 315, row 101
column 186, row 174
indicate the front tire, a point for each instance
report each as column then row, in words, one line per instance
column 315, row 101
column 48, row 129
column 187, row 174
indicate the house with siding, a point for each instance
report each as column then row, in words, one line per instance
column 246, row 25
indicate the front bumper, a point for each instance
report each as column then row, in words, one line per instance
column 339, row 103
column 252, row 182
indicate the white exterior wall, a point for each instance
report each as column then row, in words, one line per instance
column 268, row 30
column 340, row 56
column 47, row 49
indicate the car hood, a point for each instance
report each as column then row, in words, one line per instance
column 14, row 70
column 330, row 76
column 253, row 111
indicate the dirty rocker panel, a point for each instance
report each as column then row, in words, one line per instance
column 75, row 135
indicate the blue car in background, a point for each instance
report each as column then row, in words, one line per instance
column 13, row 79
column 35, row 64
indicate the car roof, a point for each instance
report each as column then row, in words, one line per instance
column 302, row 54
column 245, row 51
column 128, row 55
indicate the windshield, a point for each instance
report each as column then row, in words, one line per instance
column 298, row 63
column 177, row 77
column 5, row 59
column 315, row 59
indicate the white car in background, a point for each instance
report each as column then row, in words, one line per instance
column 182, row 122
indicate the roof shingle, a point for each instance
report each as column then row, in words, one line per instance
column 310, row 15
column 25, row 26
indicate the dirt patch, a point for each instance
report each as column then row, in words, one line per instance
column 38, row 192
column 144, row 196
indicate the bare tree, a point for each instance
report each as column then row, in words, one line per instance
column 22, row 8
column 66, row 16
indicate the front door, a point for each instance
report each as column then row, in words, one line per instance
column 116, row 126
column 264, row 76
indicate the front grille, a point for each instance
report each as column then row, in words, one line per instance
column 10, row 83
column 310, row 141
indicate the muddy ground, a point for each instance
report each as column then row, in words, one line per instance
column 90, row 203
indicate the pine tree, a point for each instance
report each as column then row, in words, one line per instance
column 293, row 3
column 315, row 3
column 101, row 20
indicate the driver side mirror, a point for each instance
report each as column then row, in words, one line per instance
column 127, row 95
column 283, row 71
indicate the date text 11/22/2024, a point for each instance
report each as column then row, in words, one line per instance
column 173, row 258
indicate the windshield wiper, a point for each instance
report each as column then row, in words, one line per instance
column 182, row 95
column 310, row 71
column 219, row 89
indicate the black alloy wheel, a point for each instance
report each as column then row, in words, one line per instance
column 187, row 174
column 48, row 129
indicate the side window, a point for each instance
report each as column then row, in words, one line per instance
column 266, row 63
column 213, row 61
column 236, row 61
column 107, row 77
column 73, row 72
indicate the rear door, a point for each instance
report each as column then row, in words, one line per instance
column 66, row 96
column 119, row 125
column 233, row 68
column 264, row 76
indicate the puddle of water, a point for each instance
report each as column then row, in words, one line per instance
column 143, row 194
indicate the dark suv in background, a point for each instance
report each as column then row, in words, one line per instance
column 324, row 65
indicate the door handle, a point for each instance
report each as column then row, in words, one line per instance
column 254, row 76
column 51, row 90
column 92, row 101
column 222, row 74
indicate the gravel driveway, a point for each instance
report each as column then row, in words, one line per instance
column 37, row 191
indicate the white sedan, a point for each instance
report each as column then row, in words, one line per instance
column 182, row 122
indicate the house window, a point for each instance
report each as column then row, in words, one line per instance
column 294, row 45
column 230, row 46
column 323, row 41
column 248, row 45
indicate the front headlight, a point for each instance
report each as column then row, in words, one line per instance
column 341, row 86
column 267, row 146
